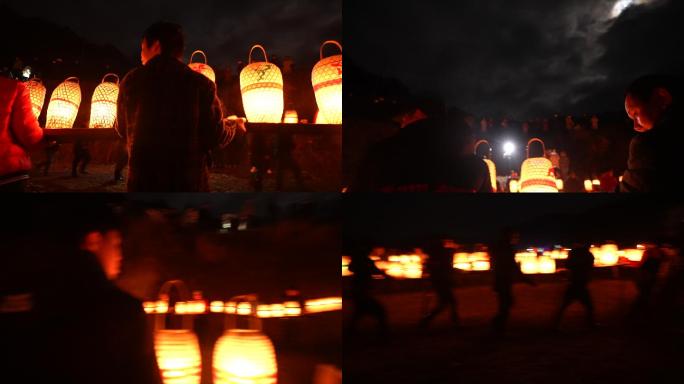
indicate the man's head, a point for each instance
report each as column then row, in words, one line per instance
column 162, row 38
column 647, row 99
column 106, row 246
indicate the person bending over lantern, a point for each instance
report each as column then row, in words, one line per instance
column 655, row 163
column 170, row 117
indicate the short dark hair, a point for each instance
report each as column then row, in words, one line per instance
column 169, row 35
column 642, row 88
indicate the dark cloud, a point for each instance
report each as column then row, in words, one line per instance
column 224, row 29
column 516, row 57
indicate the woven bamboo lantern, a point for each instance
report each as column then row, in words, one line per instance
column 37, row 93
column 202, row 68
column 64, row 104
column 537, row 173
column 245, row 355
column 177, row 350
column 291, row 117
column 261, row 84
column 490, row 164
column 326, row 78
column 103, row 109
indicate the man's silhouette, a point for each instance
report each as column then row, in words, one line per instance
column 439, row 265
column 580, row 264
column 364, row 270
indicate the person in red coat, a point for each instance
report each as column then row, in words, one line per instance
column 19, row 133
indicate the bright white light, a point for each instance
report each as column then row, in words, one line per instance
column 26, row 72
column 621, row 5
column 508, row 149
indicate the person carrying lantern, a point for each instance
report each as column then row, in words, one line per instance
column 19, row 134
column 170, row 117
column 655, row 163
column 580, row 265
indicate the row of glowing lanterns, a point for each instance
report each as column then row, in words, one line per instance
column 261, row 84
column 532, row 261
column 241, row 355
column 286, row 309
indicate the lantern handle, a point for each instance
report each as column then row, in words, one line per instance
column 183, row 294
column 262, row 50
column 533, row 141
column 36, row 79
column 109, row 75
column 73, row 78
column 200, row 52
column 477, row 145
column 330, row 42
column 254, row 320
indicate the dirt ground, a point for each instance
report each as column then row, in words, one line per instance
column 531, row 352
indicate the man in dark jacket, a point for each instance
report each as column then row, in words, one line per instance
column 170, row 116
column 431, row 153
column 654, row 154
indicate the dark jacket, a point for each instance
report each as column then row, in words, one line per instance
column 171, row 118
column 580, row 264
column 655, row 157
column 422, row 157
column 91, row 330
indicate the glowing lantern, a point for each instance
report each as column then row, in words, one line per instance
column 231, row 307
column 462, row 262
column 346, row 260
column 537, row 174
column 202, row 68
column 149, row 306
column 103, row 109
column 634, row 255
column 326, row 78
column 327, row 304
column 292, row 308
column 216, row 307
column 277, row 310
column 291, row 117
column 320, row 118
column 264, row 310
column 245, row 355
column 588, row 186
column 559, row 184
column 546, row 264
column 177, row 350
column 608, row 255
column 514, row 186
column 596, row 182
column 37, row 92
column 262, row 90
column 244, row 309
column 490, row 164
column 178, row 356
column 529, row 266
column 64, row 104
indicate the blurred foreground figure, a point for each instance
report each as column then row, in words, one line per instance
column 170, row 117
column 432, row 152
column 364, row 270
column 506, row 271
column 653, row 103
column 647, row 279
column 19, row 133
column 440, row 267
column 580, row 264
column 92, row 330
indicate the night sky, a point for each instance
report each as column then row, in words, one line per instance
column 226, row 30
column 519, row 58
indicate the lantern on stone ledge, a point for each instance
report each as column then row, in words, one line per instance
column 177, row 350
column 202, row 68
column 291, row 117
column 64, row 104
column 326, row 78
column 103, row 109
column 537, row 174
column 245, row 355
column 261, row 84
column 37, row 93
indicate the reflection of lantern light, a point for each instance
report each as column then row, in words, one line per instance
column 326, row 78
column 103, row 108
column 64, row 104
column 178, row 356
column 537, row 174
column 291, row 117
column 37, row 92
column 202, row 68
column 244, row 356
column 262, row 90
